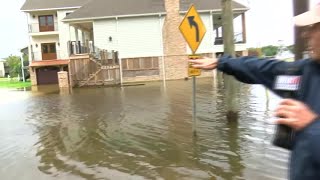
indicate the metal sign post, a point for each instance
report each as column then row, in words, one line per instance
column 194, row 72
column 193, row 31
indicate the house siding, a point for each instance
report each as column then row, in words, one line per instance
column 140, row 37
column 66, row 33
column 103, row 29
column 132, row 37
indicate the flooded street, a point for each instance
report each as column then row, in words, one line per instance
column 138, row 132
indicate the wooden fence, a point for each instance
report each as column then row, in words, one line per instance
column 90, row 71
column 144, row 66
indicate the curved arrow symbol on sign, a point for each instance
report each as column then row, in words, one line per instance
column 192, row 22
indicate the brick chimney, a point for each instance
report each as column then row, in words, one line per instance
column 173, row 42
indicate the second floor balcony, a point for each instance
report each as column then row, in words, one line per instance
column 40, row 56
column 77, row 47
column 39, row 28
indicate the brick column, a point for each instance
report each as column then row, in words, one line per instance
column 63, row 79
column 33, row 76
column 174, row 43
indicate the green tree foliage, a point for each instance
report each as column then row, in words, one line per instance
column 14, row 65
column 270, row 50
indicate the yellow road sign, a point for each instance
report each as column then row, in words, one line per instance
column 193, row 71
column 192, row 28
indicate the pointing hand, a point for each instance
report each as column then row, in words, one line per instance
column 205, row 63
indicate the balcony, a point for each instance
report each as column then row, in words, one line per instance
column 238, row 39
column 76, row 47
column 239, row 42
column 39, row 56
column 49, row 29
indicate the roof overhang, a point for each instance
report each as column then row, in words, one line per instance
column 216, row 11
column 238, row 10
column 113, row 17
column 51, row 9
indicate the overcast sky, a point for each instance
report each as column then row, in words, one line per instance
column 268, row 21
column 14, row 28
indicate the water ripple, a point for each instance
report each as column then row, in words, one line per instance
column 142, row 132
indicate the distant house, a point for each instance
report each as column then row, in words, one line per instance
column 144, row 32
column 2, row 71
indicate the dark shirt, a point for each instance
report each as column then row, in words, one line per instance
column 305, row 155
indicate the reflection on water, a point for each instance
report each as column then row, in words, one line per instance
column 142, row 132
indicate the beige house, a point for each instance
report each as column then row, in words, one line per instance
column 144, row 33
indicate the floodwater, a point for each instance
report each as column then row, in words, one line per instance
column 137, row 132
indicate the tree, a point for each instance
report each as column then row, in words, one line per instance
column 14, row 64
column 270, row 50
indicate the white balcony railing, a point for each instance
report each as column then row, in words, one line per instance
column 76, row 47
column 39, row 56
column 238, row 39
column 36, row 28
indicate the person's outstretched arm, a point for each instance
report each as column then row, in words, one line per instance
column 249, row 70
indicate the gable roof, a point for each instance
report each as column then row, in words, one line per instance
column 109, row 8
column 113, row 8
column 31, row 5
column 90, row 9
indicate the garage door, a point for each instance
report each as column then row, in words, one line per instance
column 47, row 75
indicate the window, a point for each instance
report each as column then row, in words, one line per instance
column 45, row 49
column 50, row 20
column 48, row 48
column 46, row 23
column 42, row 21
column 52, row 48
column 49, row 51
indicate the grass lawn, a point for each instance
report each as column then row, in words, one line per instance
column 13, row 83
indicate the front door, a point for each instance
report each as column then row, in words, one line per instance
column 48, row 51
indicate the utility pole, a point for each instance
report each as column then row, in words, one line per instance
column 22, row 67
column 227, row 27
column 299, row 7
column 231, row 84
